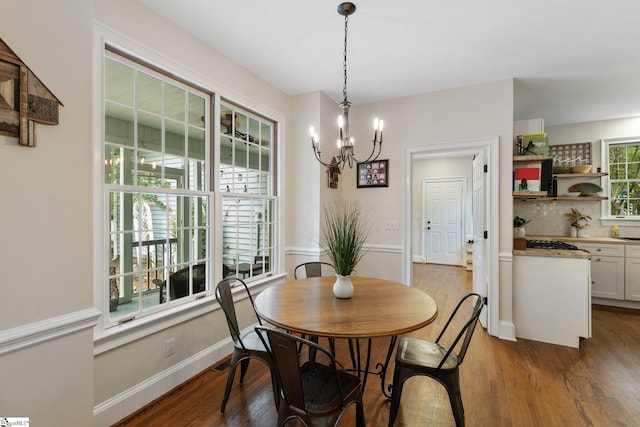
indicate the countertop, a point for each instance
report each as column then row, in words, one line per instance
column 563, row 253
column 554, row 253
column 607, row 240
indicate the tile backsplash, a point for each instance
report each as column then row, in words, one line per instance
column 548, row 218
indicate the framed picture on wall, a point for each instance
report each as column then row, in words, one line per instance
column 373, row 174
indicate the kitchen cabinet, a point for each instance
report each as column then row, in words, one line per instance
column 607, row 269
column 632, row 272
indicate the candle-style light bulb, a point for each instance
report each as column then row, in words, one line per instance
column 376, row 122
column 340, row 121
column 339, row 143
column 381, row 125
column 312, row 131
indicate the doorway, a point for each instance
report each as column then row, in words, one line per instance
column 487, row 148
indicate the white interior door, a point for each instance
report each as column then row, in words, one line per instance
column 479, row 226
column 442, row 228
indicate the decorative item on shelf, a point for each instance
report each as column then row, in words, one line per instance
column 586, row 188
column 581, row 169
column 533, row 145
column 578, row 221
column 518, row 227
column 344, row 234
column 572, row 194
column 345, row 141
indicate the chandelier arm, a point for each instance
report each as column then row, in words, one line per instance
column 371, row 157
column 339, row 160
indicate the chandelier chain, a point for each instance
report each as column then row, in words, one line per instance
column 344, row 60
column 345, row 143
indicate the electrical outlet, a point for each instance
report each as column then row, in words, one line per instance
column 391, row 225
column 169, row 347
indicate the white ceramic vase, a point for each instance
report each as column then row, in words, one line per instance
column 518, row 232
column 343, row 288
column 573, row 232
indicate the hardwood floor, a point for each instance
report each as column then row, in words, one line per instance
column 524, row 383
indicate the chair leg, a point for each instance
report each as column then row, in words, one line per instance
column 452, row 384
column 244, row 366
column 360, row 415
column 230, row 375
column 396, row 393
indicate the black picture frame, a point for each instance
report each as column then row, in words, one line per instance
column 373, row 174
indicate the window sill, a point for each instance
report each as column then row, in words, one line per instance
column 116, row 336
column 620, row 222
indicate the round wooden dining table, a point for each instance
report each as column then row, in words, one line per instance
column 377, row 308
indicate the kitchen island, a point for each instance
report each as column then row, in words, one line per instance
column 552, row 295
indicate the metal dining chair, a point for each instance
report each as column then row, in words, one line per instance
column 247, row 345
column 317, row 394
column 433, row 359
column 313, row 269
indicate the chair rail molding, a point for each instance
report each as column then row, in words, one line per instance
column 45, row 330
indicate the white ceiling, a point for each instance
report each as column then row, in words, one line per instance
column 574, row 60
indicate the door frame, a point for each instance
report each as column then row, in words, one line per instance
column 463, row 216
column 492, row 211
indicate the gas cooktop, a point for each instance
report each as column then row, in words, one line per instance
column 550, row 244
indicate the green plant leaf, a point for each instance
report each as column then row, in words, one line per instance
column 344, row 234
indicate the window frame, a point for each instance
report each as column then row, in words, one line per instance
column 606, row 217
column 243, row 198
column 107, row 338
column 181, row 196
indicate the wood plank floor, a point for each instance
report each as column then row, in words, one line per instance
column 524, row 383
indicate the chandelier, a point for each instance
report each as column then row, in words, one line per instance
column 345, row 140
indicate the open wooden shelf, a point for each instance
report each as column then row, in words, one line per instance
column 562, row 198
column 580, row 175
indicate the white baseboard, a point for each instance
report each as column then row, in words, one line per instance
column 507, row 331
column 123, row 404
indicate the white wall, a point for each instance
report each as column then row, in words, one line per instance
column 46, row 216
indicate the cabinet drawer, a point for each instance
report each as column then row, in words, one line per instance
column 602, row 249
column 633, row 251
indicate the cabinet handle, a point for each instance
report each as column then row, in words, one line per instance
column 599, row 249
column 598, row 259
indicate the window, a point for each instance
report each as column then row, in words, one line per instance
column 159, row 179
column 156, row 191
column 621, row 158
column 248, row 197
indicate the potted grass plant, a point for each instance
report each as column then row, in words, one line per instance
column 344, row 234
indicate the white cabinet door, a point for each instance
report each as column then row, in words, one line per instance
column 607, row 270
column 632, row 273
column 607, row 274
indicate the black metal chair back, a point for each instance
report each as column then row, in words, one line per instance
column 315, row 393
column 432, row 359
column 312, row 269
